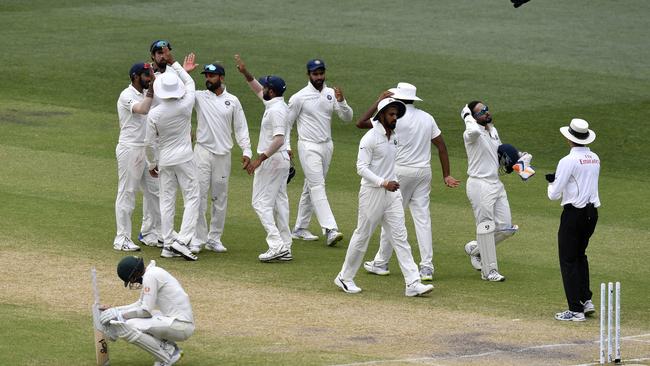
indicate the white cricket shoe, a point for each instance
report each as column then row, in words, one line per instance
column 287, row 257
column 303, row 234
column 333, row 237
column 588, row 307
column 175, row 354
column 272, row 254
column 571, row 316
column 195, row 248
column 166, row 252
column 417, row 289
column 493, row 276
column 150, row 240
column 426, row 273
column 380, row 270
column 215, row 246
column 181, row 248
column 125, row 245
column 347, row 285
column 475, row 260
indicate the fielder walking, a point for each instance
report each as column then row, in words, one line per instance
column 575, row 182
column 485, row 191
column 161, row 317
column 379, row 201
column 132, row 108
column 416, row 131
column 218, row 113
column 171, row 158
column 312, row 108
column 271, row 167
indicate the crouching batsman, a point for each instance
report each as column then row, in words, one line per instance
column 160, row 318
column 486, row 157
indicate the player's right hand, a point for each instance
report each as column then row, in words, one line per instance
column 108, row 315
column 241, row 66
column 392, row 186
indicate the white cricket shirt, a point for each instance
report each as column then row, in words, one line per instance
column 132, row 125
column 274, row 123
column 170, row 123
column 160, row 290
column 481, row 146
column 217, row 116
column 415, row 129
column 576, row 178
column 376, row 157
column 312, row 109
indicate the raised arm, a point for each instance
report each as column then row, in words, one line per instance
column 364, row 122
column 255, row 85
column 341, row 107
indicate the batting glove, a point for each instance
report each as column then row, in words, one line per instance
column 466, row 114
column 110, row 314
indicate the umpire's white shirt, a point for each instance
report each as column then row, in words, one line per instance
column 576, row 178
column 216, row 116
column 160, row 290
column 415, row 129
column 376, row 157
column 481, row 146
column 132, row 125
column 170, row 121
column 274, row 122
column 313, row 110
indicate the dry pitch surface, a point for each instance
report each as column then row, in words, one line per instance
column 384, row 333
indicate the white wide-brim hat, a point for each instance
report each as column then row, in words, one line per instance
column 404, row 91
column 168, row 85
column 390, row 102
column 578, row 131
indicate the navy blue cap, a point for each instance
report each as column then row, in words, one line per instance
column 315, row 64
column 139, row 68
column 159, row 44
column 274, row 82
column 213, row 69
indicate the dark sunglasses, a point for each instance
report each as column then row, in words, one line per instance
column 480, row 113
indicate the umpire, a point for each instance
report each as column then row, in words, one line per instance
column 576, row 183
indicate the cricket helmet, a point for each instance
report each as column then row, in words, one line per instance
column 128, row 267
column 508, row 156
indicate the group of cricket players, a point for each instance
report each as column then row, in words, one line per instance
column 156, row 155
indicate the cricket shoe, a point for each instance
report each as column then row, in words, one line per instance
column 378, row 269
column 347, row 285
column 150, row 240
column 273, row 254
column 333, row 237
column 166, row 252
column 426, row 273
column 588, row 307
column 493, row 276
column 215, row 246
column 570, row 316
column 125, row 245
column 195, row 248
column 287, row 257
column 303, row 234
column 175, row 353
column 179, row 247
column 417, row 289
column 475, row 260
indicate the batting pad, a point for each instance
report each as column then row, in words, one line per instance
column 486, row 246
column 142, row 340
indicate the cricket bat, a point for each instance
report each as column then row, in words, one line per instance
column 101, row 347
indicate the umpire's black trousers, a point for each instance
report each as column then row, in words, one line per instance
column 576, row 227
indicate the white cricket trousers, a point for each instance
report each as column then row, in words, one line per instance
column 270, row 199
column 133, row 176
column 185, row 176
column 489, row 202
column 415, row 187
column 377, row 205
column 315, row 161
column 214, row 173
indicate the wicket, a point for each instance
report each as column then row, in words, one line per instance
column 613, row 350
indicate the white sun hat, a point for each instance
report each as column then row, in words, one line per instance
column 168, row 85
column 404, row 91
column 390, row 102
column 578, row 131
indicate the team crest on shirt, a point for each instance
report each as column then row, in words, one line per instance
column 329, row 97
column 395, row 141
column 227, row 102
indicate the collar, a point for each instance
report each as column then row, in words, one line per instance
column 580, row 149
column 269, row 103
column 223, row 93
column 135, row 90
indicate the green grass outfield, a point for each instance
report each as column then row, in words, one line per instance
column 64, row 64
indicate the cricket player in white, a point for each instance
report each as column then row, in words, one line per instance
column 161, row 317
column 312, row 109
column 132, row 108
column 485, row 191
column 416, row 131
column 271, row 167
column 169, row 123
column 218, row 114
column 380, row 202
